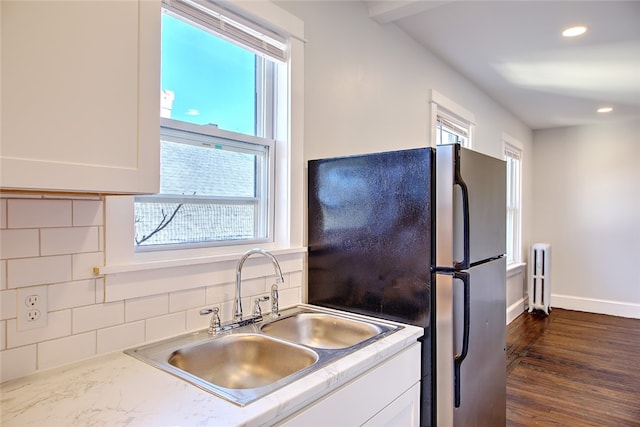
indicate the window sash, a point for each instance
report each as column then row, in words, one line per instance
column 448, row 125
column 211, row 137
column 456, row 127
column 514, row 203
column 231, row 27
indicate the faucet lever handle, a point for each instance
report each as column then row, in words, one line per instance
column 257, row 310
column 214, row 324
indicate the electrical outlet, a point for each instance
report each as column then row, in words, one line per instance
column 32, row 307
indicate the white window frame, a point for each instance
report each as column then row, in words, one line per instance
column 288, row 236
column 440, row 105
column 511, row 147
column 203, row 135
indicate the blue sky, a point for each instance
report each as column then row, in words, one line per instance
column 213, row 81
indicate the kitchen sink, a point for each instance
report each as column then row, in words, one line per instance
column 243, row 361
column 322, row 330
column 244, row 364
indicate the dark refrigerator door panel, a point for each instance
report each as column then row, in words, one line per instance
column 369, row 234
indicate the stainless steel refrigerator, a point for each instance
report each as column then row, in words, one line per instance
column 418, row 236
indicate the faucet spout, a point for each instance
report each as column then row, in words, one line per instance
column 238, row 298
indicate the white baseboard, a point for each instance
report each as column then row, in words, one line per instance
column 515, row 310
column 591, row 305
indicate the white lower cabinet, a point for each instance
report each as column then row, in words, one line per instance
column 387, row 395
column 402, row 412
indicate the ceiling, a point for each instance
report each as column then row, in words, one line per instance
column 514, row 51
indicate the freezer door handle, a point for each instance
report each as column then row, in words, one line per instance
column 457, row 180
column 459, row 358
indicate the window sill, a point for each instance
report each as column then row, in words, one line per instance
column 168, row 263
column 515, row 268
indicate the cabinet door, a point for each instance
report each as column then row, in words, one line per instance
column 402, row 412
column 384, row 391
column 80, row 95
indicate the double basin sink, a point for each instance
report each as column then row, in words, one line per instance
column 247, row 363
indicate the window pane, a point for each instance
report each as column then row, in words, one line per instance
column 205, row 79
column 446, row 135
column 213, row 189
column 193, row 222
column 204, row 171
column 513, row 206
column 449, row 132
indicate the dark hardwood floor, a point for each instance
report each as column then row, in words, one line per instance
column 573, row 369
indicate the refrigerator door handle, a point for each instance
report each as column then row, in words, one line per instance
column 457, row 180
column 459, row 358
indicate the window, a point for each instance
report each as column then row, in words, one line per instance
column 285, row 193
column 451, row 131
column 218, row 107
column 213, row 189
column 513, row 157
column 450, row 123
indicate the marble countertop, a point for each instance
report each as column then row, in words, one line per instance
column 117, row 390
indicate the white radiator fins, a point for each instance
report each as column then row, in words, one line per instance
column 540, row 278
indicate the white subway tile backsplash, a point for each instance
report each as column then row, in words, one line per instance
column 72, row 294
column 165, row 326
column 100, row 290
column 19, row 243
column 3, row 335
column 227, row 310
column 120, row 337
column 57, row 241
column 58, row 325
column 146, row 307
column 3, row 213
column 220, row 293
column 196, row 321
column 8, row 304
column 289, row 297
column 83, row 264
column 87, row 212
column 66, row 350
column 254, row 287
column 185, row 300
column 3, row 274
column 69, row 240
column 32, row 213
column 17, row 362
column 38, row 271
column 97, row 316
column 294, row 279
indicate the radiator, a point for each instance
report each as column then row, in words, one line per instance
column 540, row 278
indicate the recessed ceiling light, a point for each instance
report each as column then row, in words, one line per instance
column 574, row 31
column 605, row 110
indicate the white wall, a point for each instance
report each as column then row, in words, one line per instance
column 367, row 89
column 367, row 86
column 587, row 205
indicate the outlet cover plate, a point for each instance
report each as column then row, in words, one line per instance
column 33, row 307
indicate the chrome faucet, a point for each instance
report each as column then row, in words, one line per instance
column 275, row 311
column 238, row 299
column 214, row 324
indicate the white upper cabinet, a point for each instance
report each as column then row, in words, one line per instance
column 80, row 90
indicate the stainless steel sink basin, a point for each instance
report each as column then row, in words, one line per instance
column 249, row 362
column 321, row 330
column 243, row 361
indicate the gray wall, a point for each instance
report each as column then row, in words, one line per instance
column 587, row 205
